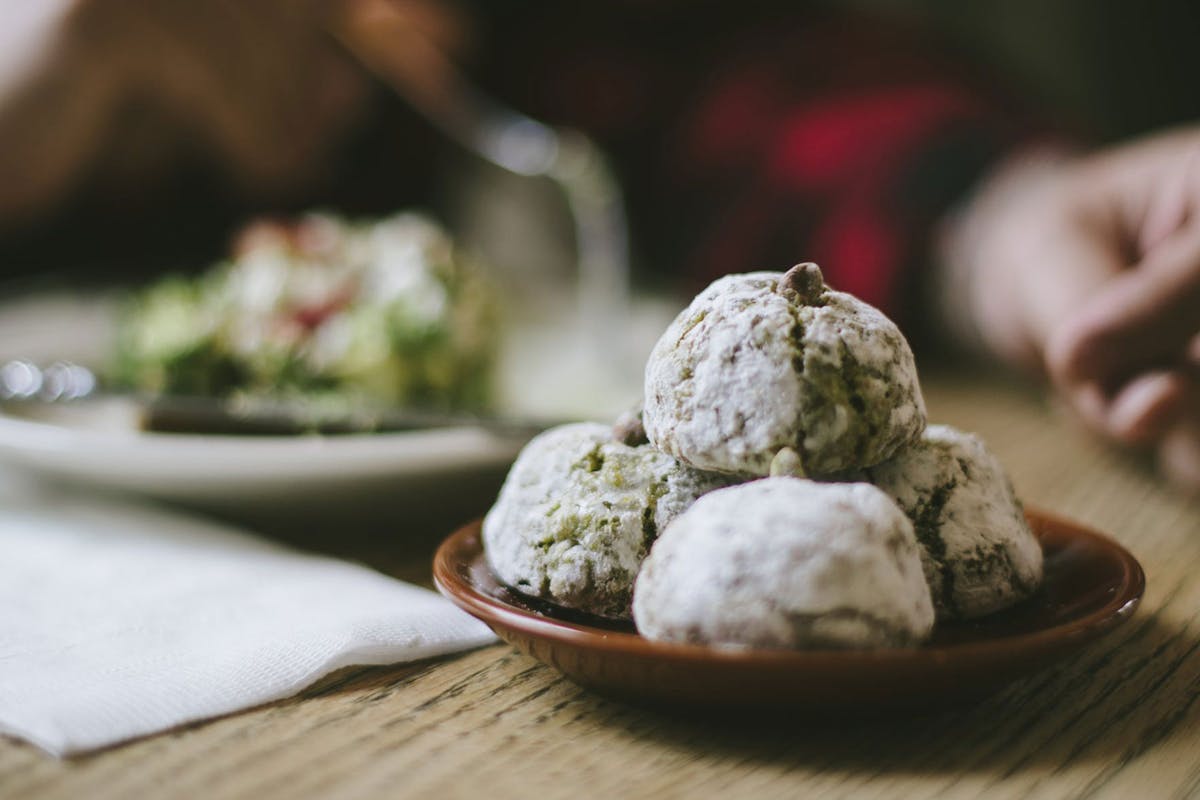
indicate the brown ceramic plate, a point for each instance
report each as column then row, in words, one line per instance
column 1092, row 585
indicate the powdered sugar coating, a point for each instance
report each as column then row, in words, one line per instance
column 746, row 370
column 978, row 553
column 578, row 512
column 786, row 562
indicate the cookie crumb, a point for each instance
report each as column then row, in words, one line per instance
column 787, row 464
column 629, row 430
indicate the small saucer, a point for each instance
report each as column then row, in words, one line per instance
column 1092, row 585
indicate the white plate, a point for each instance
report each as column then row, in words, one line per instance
column 296, row 475
column 227, row 473
column 238, row 472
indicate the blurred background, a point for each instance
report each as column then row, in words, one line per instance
column 1102, row 69
column 138, row 137
column 1115, row 69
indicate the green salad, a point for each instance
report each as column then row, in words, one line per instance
column 386, row 312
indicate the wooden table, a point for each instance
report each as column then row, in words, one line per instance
column 1120, row 720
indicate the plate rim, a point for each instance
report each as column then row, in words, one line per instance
column 47, row 432
column 237, row 472
column 63, row 452
column 1118, row 609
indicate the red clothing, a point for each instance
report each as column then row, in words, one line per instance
column 746, row 135
column 754, row 143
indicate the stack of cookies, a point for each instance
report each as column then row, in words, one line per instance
column 779, row 489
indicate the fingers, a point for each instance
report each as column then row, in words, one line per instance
column 1159, row 409
column 1146, row 317
column 1078, row 267
column 1127, row 355
column 1179, row 455
column 1042, row 270
column 1146, row 409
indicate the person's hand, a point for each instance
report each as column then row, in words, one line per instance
column 120, row 93
column 1088, row 269
column 261, row 92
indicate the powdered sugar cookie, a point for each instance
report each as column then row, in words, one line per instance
column 768, row 360
column 578, row 513
column 977, row 550
column 786, row 562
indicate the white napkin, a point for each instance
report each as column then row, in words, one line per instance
column 118, row 621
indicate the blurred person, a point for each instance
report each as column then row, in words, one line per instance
column 746, row 136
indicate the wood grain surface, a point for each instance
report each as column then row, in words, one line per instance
column 1119, row 721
